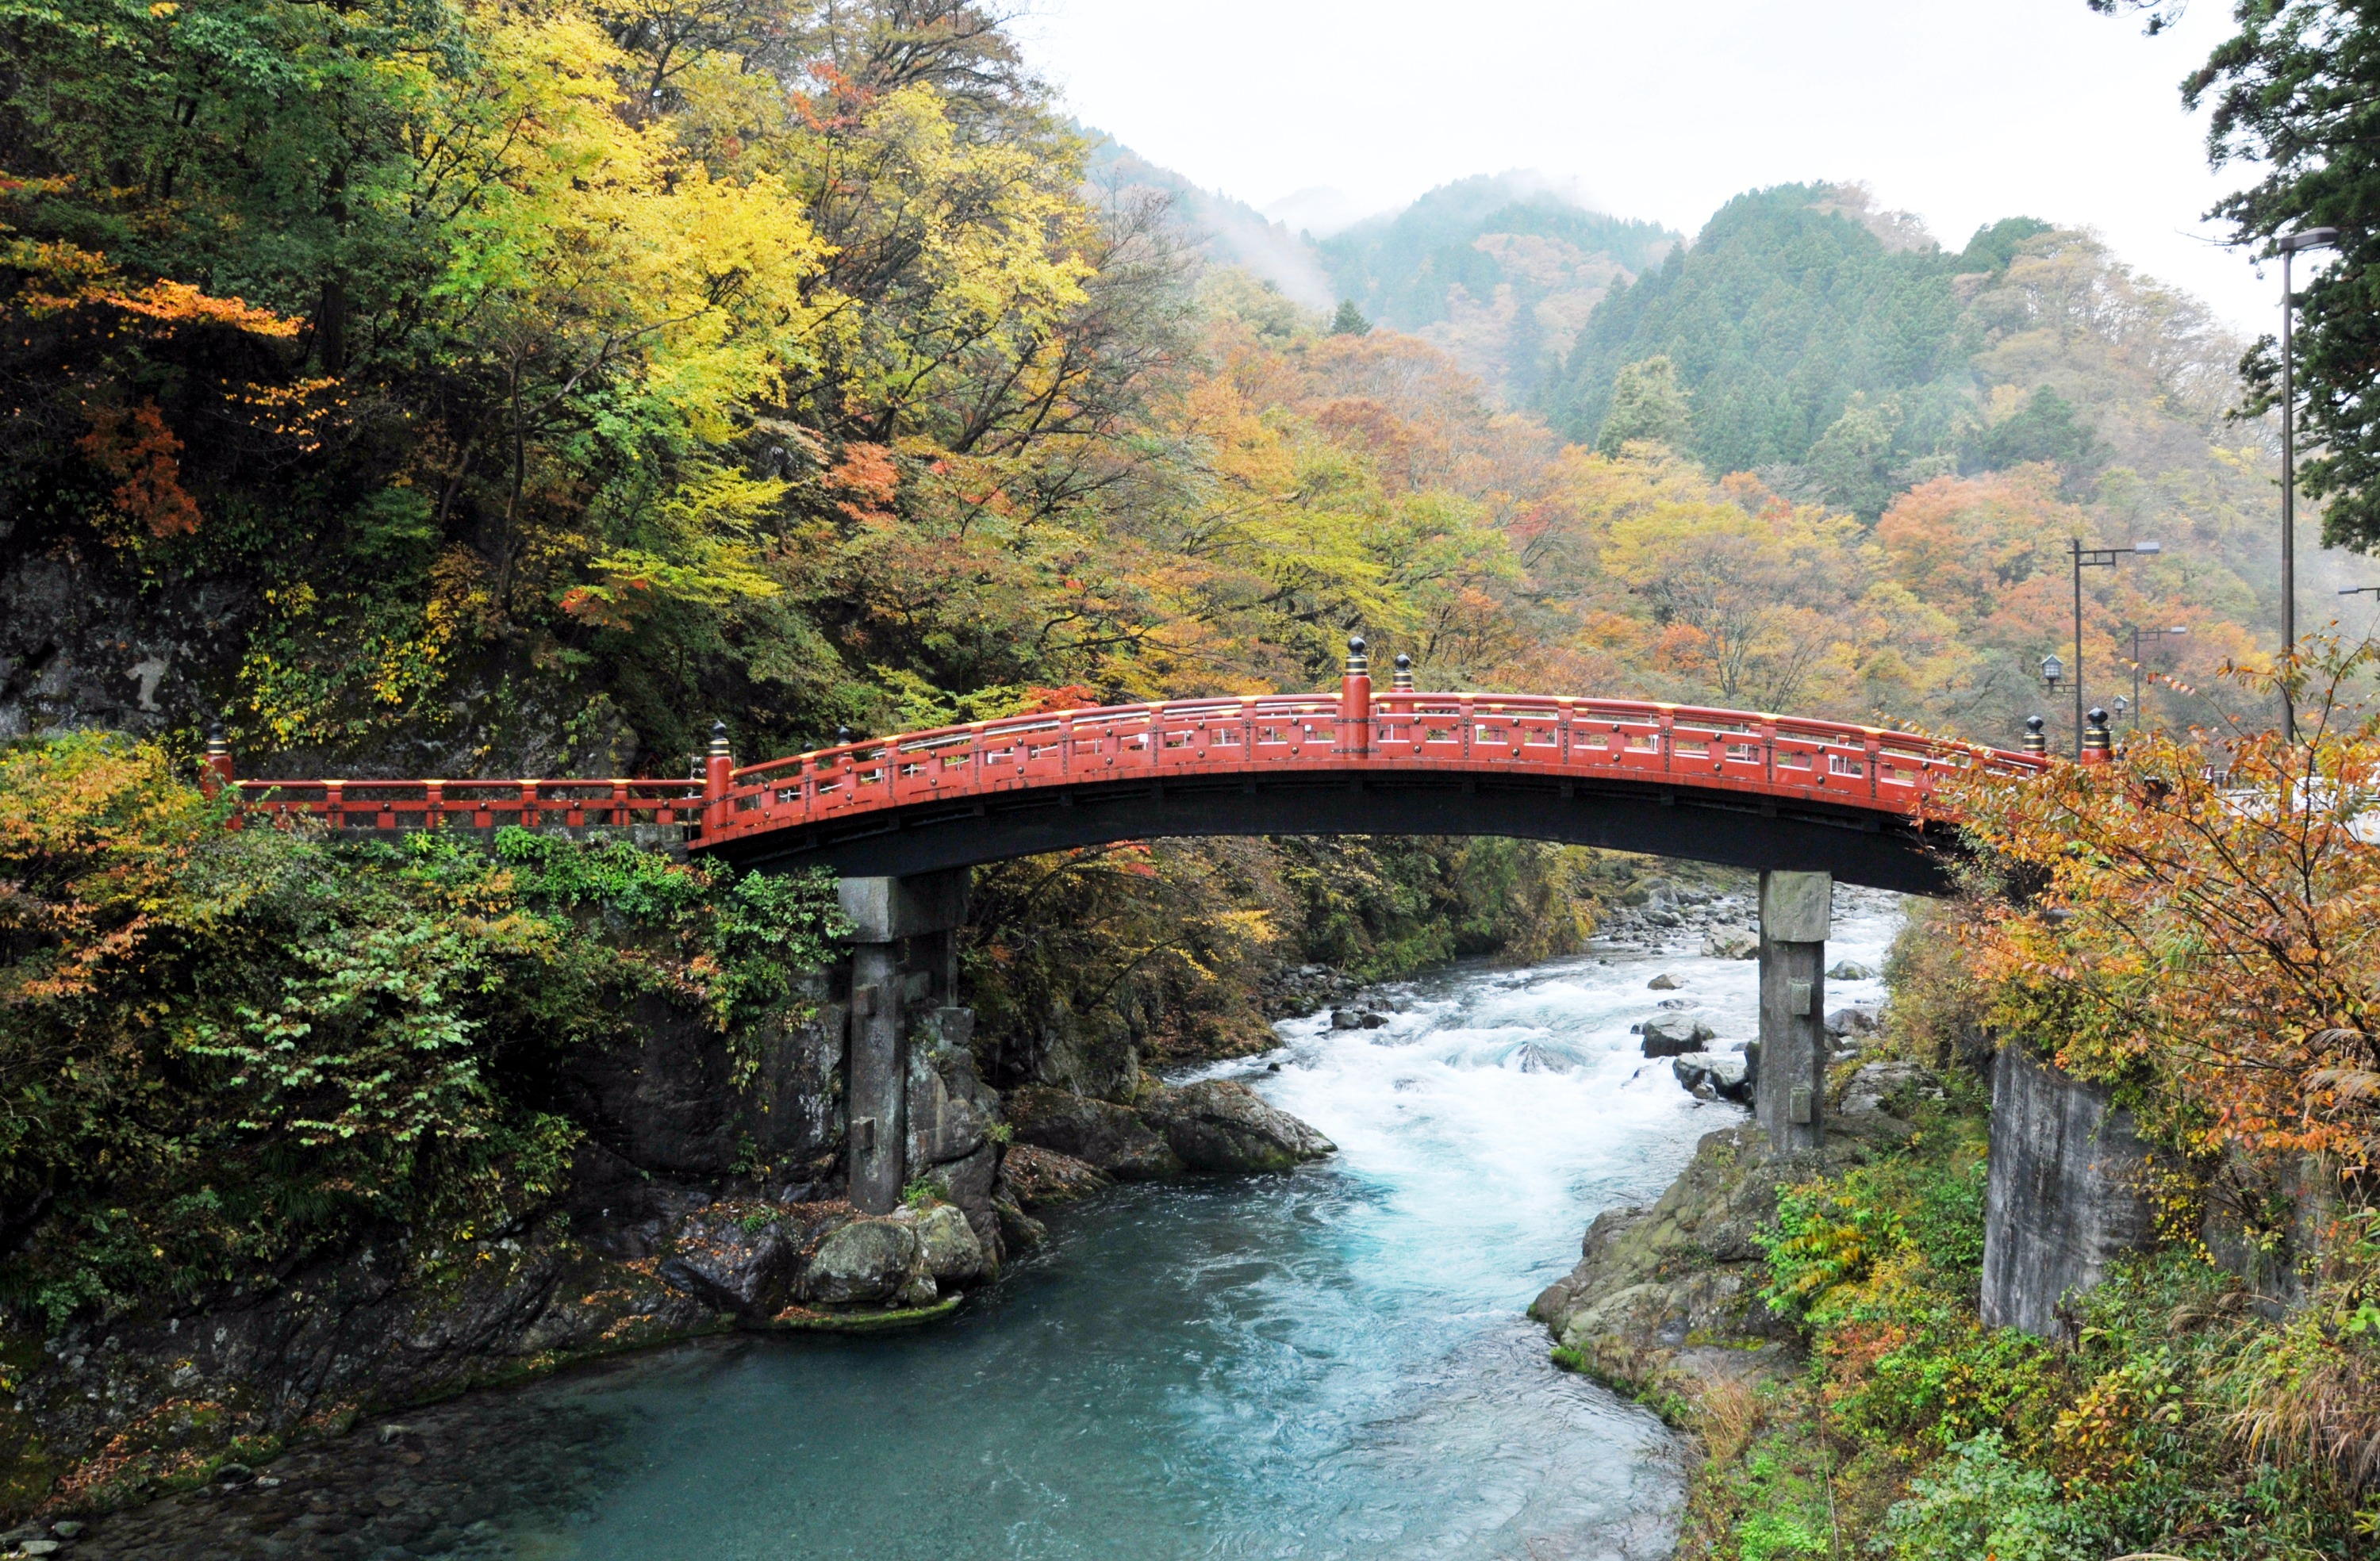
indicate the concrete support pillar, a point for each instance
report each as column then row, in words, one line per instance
column 896, row 921
column 877, row 1079
column 1790, row 1099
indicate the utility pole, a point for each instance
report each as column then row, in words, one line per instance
column 2138, row 635
column 2092, row 558
column 2290, row 244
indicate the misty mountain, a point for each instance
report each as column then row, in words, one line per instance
column 1502, row 270
column 1227, row 232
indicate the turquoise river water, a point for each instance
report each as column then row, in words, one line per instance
column 1331, row 1363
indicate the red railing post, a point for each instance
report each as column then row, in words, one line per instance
column 2096, row 745
column 718, row 768
column 1356, row 702
column 215, row 774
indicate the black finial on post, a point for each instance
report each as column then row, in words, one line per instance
column 843, row 737
column 215, row 769
column 2094, row 737
column 718, row 773
column 2035, row 741
column 1359, row 664
column 1400, row 682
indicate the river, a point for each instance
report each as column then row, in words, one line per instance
column 1329, row 1364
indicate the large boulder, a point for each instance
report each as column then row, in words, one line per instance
column 948, row 1247
column 1108, row 1137
column 1730, row 943
column 1674, row 1034
column 869, row 1260
column 1851, row 1021
column 1220, row 1125
column 1711, row 1076
column 1036, row 1177
column 734, row 1259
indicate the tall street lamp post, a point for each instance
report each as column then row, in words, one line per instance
column 2139, row 635
column 2092, row 558
column 2289, row 245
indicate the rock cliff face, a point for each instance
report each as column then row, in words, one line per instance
column 2067, row 1193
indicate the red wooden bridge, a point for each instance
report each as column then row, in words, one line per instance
column 1731, row 786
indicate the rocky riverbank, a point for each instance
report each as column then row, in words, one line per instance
column 1664, row 1300
column 120, row 1408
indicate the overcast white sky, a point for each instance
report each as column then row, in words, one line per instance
column 1963, row 113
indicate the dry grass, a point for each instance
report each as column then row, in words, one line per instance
column 1727, row 1417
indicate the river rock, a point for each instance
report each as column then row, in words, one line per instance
column 1111, row 1138
column 948, row 1247
column 1876, row 1089
column 1711, row 1076
column 1019, row 1231
column 1036, row 1177
column 1664, row 982
column 1674, row 1034
column 1851, row 1021
column 1375, row 1020
column 1848, row 970
column 734, row 1260
column 867, row 1259
column 1730, row 943
column 1222, row 1125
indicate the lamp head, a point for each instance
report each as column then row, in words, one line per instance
column 2052, row 670
column 2148, row 550
column 2309, row 239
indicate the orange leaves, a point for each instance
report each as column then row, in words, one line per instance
column 59, row 276
column 1048, row 701
column 2209, row 923
column 141, row 454
column 178, row 302
column 1961, row 543
column 867, row 482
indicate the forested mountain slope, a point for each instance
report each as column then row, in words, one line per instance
column 1500, row 271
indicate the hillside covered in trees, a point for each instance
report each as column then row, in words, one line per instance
column 457, row 388
column 468, row 391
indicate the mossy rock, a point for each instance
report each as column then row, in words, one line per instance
column 803, row 1319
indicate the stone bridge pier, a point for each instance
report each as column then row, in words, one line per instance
column 901, row 1114
column 1789, row 1097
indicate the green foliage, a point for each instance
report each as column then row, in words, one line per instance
column 1986, row 1504
column 226, row 1048
column 1647, row 405
column 1349, row 321
column 2045, row 429
column 2290, row 98
column 1785, row 307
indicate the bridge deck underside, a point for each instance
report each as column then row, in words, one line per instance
column 1857, row 845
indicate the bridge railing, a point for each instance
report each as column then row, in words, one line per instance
column 1685, row 745
column 1354, row 731
column 483, row 804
